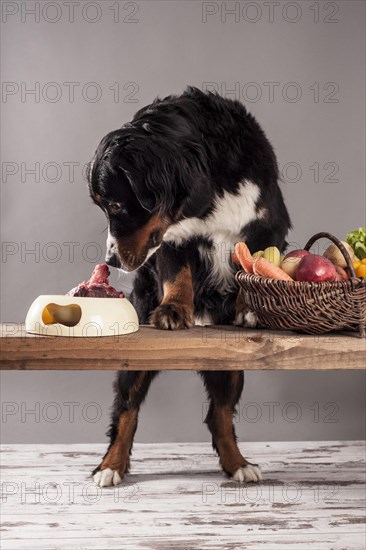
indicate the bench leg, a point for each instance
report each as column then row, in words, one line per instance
column 224, row 389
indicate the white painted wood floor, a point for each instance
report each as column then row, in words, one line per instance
column 312, row 497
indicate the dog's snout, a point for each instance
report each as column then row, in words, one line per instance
column 111, row 255
column 111, row 259
column 110, row 250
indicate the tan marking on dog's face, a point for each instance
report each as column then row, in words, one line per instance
column 132, row 250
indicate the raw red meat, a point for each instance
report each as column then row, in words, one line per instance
column 97, row 286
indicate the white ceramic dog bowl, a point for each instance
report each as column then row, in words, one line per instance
column 58, row 315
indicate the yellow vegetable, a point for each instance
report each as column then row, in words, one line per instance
column 361, row 270
column 258, row 254
column 273, row 255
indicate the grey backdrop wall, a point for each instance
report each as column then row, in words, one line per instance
column 72, row 72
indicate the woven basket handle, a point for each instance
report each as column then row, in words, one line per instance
column 337, row 242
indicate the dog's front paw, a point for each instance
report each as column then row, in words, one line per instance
column 107, row 477
column 250, row 472
column 246, row 319
column 243, row 316
column 172, row 317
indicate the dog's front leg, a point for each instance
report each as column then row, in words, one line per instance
column 176, row 310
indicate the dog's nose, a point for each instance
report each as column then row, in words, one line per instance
column 112, row 260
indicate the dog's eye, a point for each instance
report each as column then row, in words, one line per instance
column 115, row 207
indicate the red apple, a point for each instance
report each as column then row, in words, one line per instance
column 315, row 268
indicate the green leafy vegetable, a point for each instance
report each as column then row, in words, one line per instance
column 357, row 239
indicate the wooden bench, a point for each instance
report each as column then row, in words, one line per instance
column 200, row 348
column 176, row 495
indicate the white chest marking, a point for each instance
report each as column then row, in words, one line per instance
column 222, row 227
column 231, row 213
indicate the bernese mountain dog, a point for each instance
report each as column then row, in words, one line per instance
column 189, row 177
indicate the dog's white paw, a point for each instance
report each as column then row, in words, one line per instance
column 246, row 319
column 107, row 478
column 172, row 317
column 250, row 472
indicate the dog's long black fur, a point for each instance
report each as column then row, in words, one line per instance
column 181, row 159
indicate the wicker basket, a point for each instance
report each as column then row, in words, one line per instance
column 311, row 308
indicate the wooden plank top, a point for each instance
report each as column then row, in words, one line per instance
column 200, row 348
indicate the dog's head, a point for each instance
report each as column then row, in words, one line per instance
column 145, row 180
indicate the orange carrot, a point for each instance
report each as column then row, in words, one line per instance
column 264, row 268
column 234, row 258
column 244, row 256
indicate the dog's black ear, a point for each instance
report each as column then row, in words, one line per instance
column 168, row 188
column 166, row 175
column 198, row 198
column 146, row 197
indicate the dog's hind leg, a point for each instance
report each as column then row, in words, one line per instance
column 224, row 389
column 131, row 389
